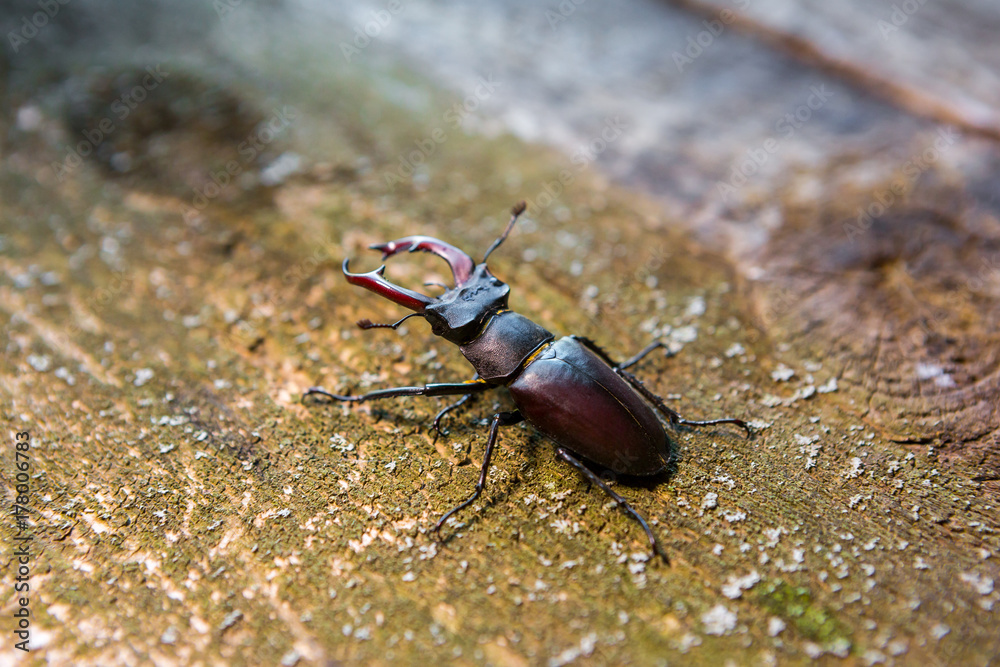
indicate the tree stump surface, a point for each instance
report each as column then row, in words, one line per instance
column 188, row 507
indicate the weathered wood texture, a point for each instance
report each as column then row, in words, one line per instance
column 189, row 509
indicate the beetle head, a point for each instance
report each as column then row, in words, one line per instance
column 459, row 314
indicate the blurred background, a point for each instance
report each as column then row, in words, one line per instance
column 803, row 196
column 842, row 160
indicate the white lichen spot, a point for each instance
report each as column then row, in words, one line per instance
column 897, row 647
column 839, row 647
column 856, row 501
column 873, row 657
column 939, row 631
column 686, row 334
column 733, row 517
column 40, row 362
column 142, row 376
column 855, row 470
column 775, row 626
column 773, row 535
column 782, row 373
column 696, row 306
column 718, row 620
column 936, row 373
column 980, row 583
column 725, row 479
column 687, row 642
column 813, row 650
column 771, row 401
column 340, row 443
column 735, row 586
column 585, row 649
column 829, row 387
column 710, row 501
column 734, row 350
column 65, row 375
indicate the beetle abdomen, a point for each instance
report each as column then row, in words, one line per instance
column 572, row 396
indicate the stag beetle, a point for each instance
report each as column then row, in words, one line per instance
column 569, row 389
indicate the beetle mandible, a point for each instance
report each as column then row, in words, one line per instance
column 568, row 389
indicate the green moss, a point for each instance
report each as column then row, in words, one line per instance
column 796, row 604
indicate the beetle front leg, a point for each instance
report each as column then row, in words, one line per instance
column 448, row 408
column 672, row 415
column 566, row 456
column 440, row 389
column 499, row 419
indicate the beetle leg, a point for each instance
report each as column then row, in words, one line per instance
column 441, row 389
column 499, row 419
column 599, row 351
column 646, row 350
column 672, row 415
column 454, row 406
column 565, row 455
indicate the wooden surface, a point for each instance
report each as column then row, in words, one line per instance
column 189, row 509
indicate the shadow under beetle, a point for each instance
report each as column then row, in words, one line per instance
column 569, row 389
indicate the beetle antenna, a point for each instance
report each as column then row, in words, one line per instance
column 368, row 324
column 436, row 284
column 515, row 212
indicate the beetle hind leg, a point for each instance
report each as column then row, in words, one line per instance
column 565, row 455
column 672, row 415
